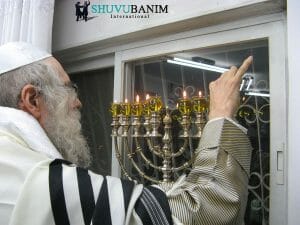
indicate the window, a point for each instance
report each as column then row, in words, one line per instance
column 144, row 69
column 161, row 77
column 96, row 94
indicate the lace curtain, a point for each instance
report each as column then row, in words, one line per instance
column 27, row 20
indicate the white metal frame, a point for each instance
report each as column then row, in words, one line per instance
column 271, row 27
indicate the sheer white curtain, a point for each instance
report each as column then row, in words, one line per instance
column 27, row 20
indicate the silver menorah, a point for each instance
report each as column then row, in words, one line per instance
column 149, row 122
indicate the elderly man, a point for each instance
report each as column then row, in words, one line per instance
column 41, row 146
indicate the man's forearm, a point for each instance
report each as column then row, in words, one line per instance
column 215, row 191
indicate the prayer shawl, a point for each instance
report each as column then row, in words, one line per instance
column 73, row 195
column 37, row 188
column 53, row 191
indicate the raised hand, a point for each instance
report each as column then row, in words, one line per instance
column 224, row 92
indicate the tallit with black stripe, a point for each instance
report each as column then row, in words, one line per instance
column 103, row 200
column 71, row 195
column 214, row 193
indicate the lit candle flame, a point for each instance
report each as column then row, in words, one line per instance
column 137, row 98
column 147, row 96
column 126, row 101
column 115, row 101
column 200, row 94
column 184, row 94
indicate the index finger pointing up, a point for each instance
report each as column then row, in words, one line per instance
column 244, row 67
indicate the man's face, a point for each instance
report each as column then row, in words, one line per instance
column 64, row 77
column 61, row 119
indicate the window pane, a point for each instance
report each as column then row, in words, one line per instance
column 158, row 77
column 96, row 94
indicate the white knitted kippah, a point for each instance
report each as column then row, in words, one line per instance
column 14, row 55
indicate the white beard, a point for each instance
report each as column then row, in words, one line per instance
column 64, row 130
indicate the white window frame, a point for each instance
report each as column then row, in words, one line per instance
column 271, row 27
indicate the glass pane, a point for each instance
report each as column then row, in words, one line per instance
column 158, row 77
column 96, row 94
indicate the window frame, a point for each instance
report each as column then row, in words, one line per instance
column 272, row 28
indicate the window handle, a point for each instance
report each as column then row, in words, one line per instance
column 280, row 165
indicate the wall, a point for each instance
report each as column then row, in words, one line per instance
column 182, row 15
column 293, row 46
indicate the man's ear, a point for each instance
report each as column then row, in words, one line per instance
column 30, row 101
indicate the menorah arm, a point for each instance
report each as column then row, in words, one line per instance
column 118, row 155
column 130, row 155
column 146, row 160
column 153, row 148
column 215, row 191
column 184, row 166
column 182, row 148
